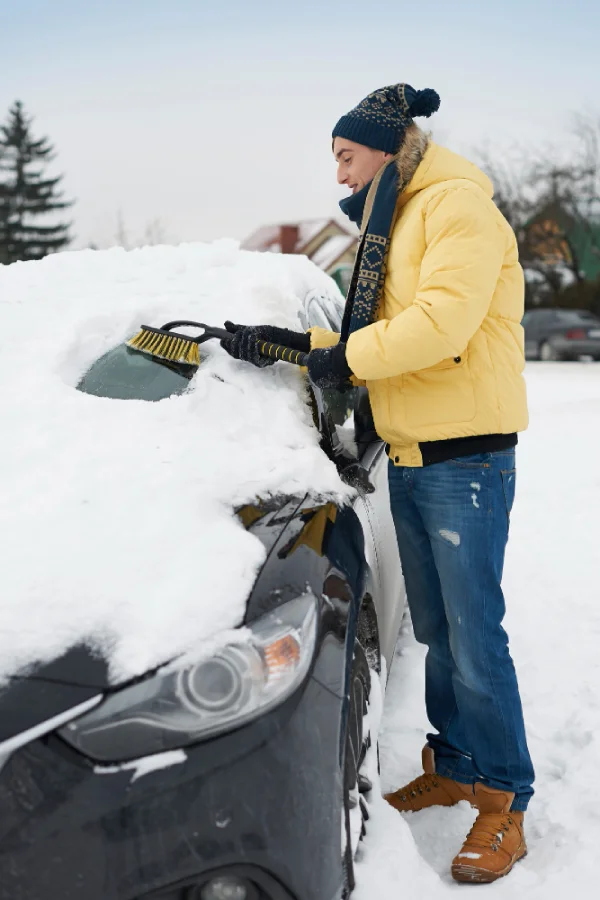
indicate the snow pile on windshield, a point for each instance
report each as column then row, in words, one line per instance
column 116, row 520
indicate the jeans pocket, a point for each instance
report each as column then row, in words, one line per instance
column 509, row 482
column 474, row 461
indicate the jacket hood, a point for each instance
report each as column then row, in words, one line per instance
column 421, row 163
column 437, row 165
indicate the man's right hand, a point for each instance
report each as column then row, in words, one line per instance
column 246, row 338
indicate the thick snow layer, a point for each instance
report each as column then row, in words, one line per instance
column 116, row 521
column 552, row 585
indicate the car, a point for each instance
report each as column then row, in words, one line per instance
column 246, row 774
column 561, row 334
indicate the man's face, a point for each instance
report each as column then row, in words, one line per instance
column 357, row 164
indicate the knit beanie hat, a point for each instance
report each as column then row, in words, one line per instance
column 380, row 120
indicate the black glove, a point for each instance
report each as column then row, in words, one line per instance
column 328, row 368
column 245, row 340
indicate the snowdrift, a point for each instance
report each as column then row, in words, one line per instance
column 116, row 517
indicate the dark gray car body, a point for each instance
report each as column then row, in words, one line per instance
column 561, row 334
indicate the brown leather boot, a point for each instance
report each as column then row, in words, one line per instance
column 495, row 842
column 429, row 789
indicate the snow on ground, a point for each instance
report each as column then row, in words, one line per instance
column 552, row 587
column 90, row 489
column 116, row 515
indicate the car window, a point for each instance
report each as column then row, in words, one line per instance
column 558, row 316
column 540, row 316
column 126, row 374
column 574, row 316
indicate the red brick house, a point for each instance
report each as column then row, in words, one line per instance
column 327, row 243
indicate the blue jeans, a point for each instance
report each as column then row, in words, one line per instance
column 452, row 522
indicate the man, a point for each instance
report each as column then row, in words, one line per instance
column 432, row 327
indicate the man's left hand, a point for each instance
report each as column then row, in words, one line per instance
column 328, row 368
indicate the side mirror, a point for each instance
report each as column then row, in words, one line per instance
column 350, row 469
column 356, row 476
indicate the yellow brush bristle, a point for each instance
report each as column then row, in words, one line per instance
column 153, row 343
column 151, row 340
column 137, row 340
column 174, row 349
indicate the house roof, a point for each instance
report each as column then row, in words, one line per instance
column 267, row 236
column 309, row 230
column 331, row 250
column 262, row 238
column 586, row 242
column 584, row 237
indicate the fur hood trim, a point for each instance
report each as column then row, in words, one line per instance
column 407, row 161
column 411, row 153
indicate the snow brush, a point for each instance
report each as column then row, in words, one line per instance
column 165, row 343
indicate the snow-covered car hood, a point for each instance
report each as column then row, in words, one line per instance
column 117, row 522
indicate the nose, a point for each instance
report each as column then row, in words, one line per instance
column 341, row 177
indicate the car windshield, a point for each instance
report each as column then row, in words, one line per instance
column 126, row 374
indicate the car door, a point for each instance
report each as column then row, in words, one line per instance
column 533, row 323
column 539, row 325
column 349, row 427
column 392, row 590
column 529, row 323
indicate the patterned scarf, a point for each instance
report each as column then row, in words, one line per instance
column 366, row 286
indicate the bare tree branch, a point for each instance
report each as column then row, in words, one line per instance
column 551, row 198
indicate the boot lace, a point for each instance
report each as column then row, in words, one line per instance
column 421, row 785
column 488, row 831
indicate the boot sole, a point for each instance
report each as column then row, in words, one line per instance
column 472, row 875
column 405, row 808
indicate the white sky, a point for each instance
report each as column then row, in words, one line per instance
column 216, row 118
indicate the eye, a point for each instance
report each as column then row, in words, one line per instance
column 348, row 160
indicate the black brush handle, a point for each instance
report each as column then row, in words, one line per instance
column 221, row 333
column 278, row 351
column 266, row 348
column 209, row 330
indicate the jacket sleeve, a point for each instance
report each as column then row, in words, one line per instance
column 320, row 338
column 464, row 255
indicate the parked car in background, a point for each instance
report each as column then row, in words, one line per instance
column 561, row 334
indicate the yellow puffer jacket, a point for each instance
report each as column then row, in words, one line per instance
column 445, row 357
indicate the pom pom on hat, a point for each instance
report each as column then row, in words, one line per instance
column 425, row 103
column 381, row 119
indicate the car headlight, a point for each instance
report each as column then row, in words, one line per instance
column 181, row 706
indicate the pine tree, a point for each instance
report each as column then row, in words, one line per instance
column 26, row 195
